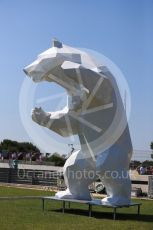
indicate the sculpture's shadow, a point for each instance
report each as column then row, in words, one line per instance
column 106, row 215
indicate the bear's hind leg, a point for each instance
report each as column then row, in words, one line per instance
column 76, row 178
column 118, row 189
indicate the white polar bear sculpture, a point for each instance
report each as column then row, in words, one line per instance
column 95, row 113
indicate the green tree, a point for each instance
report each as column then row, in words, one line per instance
column 147, row 163
column 14, row 146
column 56, row 159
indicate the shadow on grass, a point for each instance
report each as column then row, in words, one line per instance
column 106, row 215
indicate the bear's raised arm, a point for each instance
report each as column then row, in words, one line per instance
column 60, row 122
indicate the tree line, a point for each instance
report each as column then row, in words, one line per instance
column 24, row 149
column 15, row 146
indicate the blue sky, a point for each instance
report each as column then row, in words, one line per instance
column 122, row 30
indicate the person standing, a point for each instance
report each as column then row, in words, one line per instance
column 142, row 170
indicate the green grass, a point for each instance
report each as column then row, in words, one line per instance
column 28, row 214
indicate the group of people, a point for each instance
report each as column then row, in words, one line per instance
column 14, row 157
column 145, row 170
column 21, row 156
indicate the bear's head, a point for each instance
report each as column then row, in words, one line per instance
column 50, row 60
column 72, row 69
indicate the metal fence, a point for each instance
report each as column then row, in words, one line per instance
column 25, row 176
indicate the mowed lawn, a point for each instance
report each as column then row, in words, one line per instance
column 28, row 214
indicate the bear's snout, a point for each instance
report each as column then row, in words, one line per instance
column 26, row 72
column 28, row 69
column 34, row 71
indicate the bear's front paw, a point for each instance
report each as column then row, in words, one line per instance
column 40, row 116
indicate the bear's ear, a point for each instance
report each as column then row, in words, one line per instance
column 57, row 43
